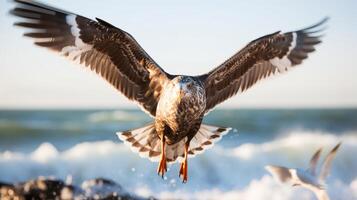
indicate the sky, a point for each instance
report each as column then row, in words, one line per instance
column 187, row 37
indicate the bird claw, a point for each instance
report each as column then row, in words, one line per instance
column 162, row 168
column 183, row 171
column 183, row 167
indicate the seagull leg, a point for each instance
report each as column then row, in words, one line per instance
column 162, row 168
column 184, row 167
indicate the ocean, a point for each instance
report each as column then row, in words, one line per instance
column 82, row 144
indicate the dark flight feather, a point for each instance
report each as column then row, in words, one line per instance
column 100, row 46
column 261, row 58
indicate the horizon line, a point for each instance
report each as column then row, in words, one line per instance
column 134, row 108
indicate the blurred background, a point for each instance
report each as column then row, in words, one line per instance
column 59, row 119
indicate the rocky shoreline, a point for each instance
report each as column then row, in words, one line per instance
column 48, row 188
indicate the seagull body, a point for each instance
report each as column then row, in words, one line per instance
column 307, row 178
column 177, row 103
column 183, row 100
column 303, row 177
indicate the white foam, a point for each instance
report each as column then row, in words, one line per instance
column 44, row 153
column 295, row 142
column 236, row 173
column 258, row 189
column 353, row 186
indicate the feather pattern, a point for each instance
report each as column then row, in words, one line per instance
column 326, row 165
column 261, row 58
column 313, row 161
column 110, row 52
column 146, row 142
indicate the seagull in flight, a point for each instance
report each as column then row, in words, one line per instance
column 178, row 103
column 307, row 178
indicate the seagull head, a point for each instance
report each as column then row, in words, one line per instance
column 185, row 84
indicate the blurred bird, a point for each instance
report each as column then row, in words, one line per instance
column 177, row 103
column 307, row 178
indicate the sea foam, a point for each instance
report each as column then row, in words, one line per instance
column 229, row 173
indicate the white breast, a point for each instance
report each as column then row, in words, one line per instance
column 169, row 100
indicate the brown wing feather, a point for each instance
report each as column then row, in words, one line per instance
column 313, row 161
column 326, row 165
column 281, row 173
column 105, row 49
column 259, row 59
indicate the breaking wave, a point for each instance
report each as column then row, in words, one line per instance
column 229, row 173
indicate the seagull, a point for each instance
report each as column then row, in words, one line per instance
column 178, row 103
column 308, row 178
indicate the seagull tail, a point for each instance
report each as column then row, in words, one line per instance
column 143, row 141
column 205, row 138
column 146, row 142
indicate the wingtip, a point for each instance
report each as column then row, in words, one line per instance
column 317, row 153
column 12, row 12
column 319, row 25
column 322, row 21
column 326, row 19
column 336, row 147
column 279, row 173
column 269, row 168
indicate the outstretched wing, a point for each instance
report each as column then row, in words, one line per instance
column 327, row 162
column 259, row 59
column 313, row 161
column 281, row 173
column 105, row 49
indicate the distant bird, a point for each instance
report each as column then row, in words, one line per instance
column 307, row 178
column 178, row 103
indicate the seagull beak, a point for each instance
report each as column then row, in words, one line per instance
column 182, row 92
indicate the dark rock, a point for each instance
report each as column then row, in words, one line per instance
column 72, row 192
column 41, row 188
column 9, row 191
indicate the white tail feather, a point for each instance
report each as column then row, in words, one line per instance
column 205, row 138
column 146, row 142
